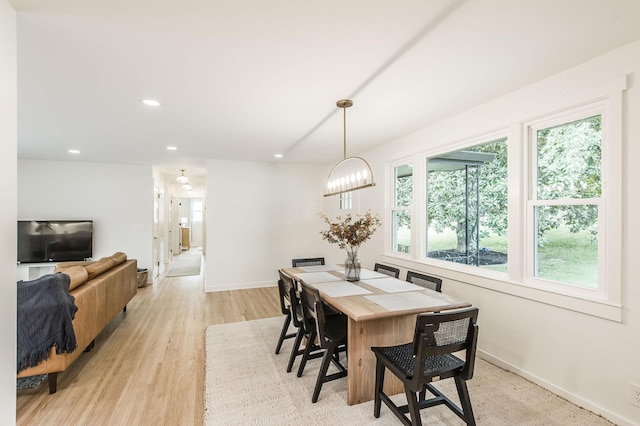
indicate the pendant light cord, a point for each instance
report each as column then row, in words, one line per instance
column 344, row 110
column 344, row 104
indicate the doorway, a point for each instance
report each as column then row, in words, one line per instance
column 190, row 214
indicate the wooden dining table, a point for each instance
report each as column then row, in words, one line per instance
column 382, row 312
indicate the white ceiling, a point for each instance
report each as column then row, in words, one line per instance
column 244, row 79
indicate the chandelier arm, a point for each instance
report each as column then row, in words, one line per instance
column 335, row 190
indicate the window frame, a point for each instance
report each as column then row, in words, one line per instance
column 468, row 143
column 605, row 304
column 391, row 237
column 345, row 200
column 531, row 128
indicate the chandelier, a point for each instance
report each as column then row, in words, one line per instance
column 182, row 178
column 351, row 173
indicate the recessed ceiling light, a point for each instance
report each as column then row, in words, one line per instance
column 74, row 151
column 151, row 102
column 278, row 155
column 172, row 148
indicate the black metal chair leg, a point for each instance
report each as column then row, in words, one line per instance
column 465, row 401
column 414, row 410
column 324, row 367
column 283, row 333
column 379, row 385
column 295, row 350
column 307, row 351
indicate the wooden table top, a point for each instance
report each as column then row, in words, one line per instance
column 375, row 296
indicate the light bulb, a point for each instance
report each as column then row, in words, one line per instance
column 151, row 102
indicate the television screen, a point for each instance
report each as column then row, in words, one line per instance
column 54, row 240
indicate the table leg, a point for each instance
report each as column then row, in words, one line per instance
column 362, row 362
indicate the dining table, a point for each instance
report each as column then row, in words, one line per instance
column 381, row 311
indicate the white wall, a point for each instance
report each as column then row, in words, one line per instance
column 8, row 172
column 117, row 197
column 259, row 216
column 586, row 359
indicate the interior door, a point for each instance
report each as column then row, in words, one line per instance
column 158, row 235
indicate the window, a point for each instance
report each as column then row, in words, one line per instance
column 197, row 207
column 467, row 206
column 565, row 203
column 533, row 210
column 401, row 210
column 346, row 201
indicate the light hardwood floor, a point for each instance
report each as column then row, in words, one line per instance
column 147, row 367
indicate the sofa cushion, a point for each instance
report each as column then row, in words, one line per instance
column 118, row 258
column 98, row 267
column 64, row 265
column 78, row 274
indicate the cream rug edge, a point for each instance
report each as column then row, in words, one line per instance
column 246, row 384
column 185, row 264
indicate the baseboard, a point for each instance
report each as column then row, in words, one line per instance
column 575, row 399
column 238, row 286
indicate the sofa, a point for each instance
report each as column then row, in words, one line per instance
column 101, row 290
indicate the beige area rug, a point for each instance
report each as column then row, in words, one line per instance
column 247, row 384
column 185, row 264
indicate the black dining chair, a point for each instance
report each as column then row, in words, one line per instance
column 331, row 331
column 310, row 261
column 285, row 302
column 424, row 280
column 295, row 311
column 387, row 270
column 428, row 358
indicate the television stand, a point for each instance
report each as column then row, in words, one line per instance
column 32, row 271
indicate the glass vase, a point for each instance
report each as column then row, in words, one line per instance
column 352, row 266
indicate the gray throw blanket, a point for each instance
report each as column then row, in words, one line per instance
column 45, row 312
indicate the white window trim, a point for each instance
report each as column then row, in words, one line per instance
column 513, row 283
column 553, row 119
column 390, row 206
column 345, row 201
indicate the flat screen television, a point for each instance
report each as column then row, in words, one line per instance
column 54, row 240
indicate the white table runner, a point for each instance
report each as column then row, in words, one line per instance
column 320, row 268
column 408, row 300
column 340, row 288
column 366, row 274
column 317, row 277
column 392, row 285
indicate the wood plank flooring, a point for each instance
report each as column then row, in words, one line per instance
column 147, row 367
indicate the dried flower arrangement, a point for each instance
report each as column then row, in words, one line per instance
column 350, row 232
